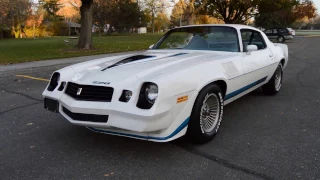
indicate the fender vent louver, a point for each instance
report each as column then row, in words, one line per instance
column 129, row 60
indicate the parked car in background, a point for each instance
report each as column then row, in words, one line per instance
column 279, row 34
column 293, row 32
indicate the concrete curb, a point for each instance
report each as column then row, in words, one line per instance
column 306, row 36
column 50, row 65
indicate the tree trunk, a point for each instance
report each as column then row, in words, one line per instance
column 190, row 20
column 1, row 33
column 227, row 21
column 152, row 21
column 34, row 31
column 85, row 40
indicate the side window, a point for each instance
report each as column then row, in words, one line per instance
column 275, row 31
column 246, row 35
column 258, row 40
column 268, row 31
column 251, row 37
column 283, row 30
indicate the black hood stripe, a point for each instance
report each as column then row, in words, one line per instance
column 179, row 54
column 129, row 60
column 136, row 58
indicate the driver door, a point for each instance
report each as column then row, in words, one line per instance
column 255, row 63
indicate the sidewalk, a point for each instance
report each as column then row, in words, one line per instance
column 47, row 65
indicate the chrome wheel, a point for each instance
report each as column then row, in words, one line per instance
column 278, row 78
column 209, row 115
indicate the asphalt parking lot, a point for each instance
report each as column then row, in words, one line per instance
column 261, row 137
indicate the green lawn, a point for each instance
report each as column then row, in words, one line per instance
column 24, row 50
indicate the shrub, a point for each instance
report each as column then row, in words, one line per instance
column 57, row 28
column 40, row 31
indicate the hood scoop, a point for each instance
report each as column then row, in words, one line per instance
column 129, row 60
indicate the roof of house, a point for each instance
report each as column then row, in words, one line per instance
column 73, row 24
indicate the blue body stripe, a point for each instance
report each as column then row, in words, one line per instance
column 239, row 91
column 182, row 126
column 184, row 123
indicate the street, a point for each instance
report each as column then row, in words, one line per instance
column 261, row 137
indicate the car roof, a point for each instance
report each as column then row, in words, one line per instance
column 236, row 26
column 277, row 28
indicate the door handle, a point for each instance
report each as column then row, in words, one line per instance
column 270, row 55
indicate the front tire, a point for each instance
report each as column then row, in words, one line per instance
column 206, row 114
column 275, row 83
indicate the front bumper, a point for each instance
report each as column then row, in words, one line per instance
column 125, row 119
column 164, row 122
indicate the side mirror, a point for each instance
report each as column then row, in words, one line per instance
column 150, row 47
column 251, row 48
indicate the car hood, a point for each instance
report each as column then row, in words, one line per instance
column 149, row 63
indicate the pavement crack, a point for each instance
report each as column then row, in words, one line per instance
column 224, row 163
column 24, row 95
column 20, row 107
column 302, row 71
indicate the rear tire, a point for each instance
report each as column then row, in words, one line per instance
column 281, row 39
column 206, row 114
column 275, row 83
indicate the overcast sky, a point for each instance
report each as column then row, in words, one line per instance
column 317, row 3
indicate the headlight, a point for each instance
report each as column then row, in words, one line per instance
column 148, row 95
column 151, row 92
column 54, row 81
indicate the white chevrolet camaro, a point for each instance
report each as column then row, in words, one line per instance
column 177, row 87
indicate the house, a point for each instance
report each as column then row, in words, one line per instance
column 142, row 30
column 73, row 28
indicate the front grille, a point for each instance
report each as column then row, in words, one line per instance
column 86, row 117
column 89, row 93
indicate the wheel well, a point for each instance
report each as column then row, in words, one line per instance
column 282, row 62
column 223, row 85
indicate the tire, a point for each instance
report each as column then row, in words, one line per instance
column 274, row 84
column 209, row 103
column 281, row 39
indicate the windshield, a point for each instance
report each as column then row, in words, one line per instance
column 217, row 38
